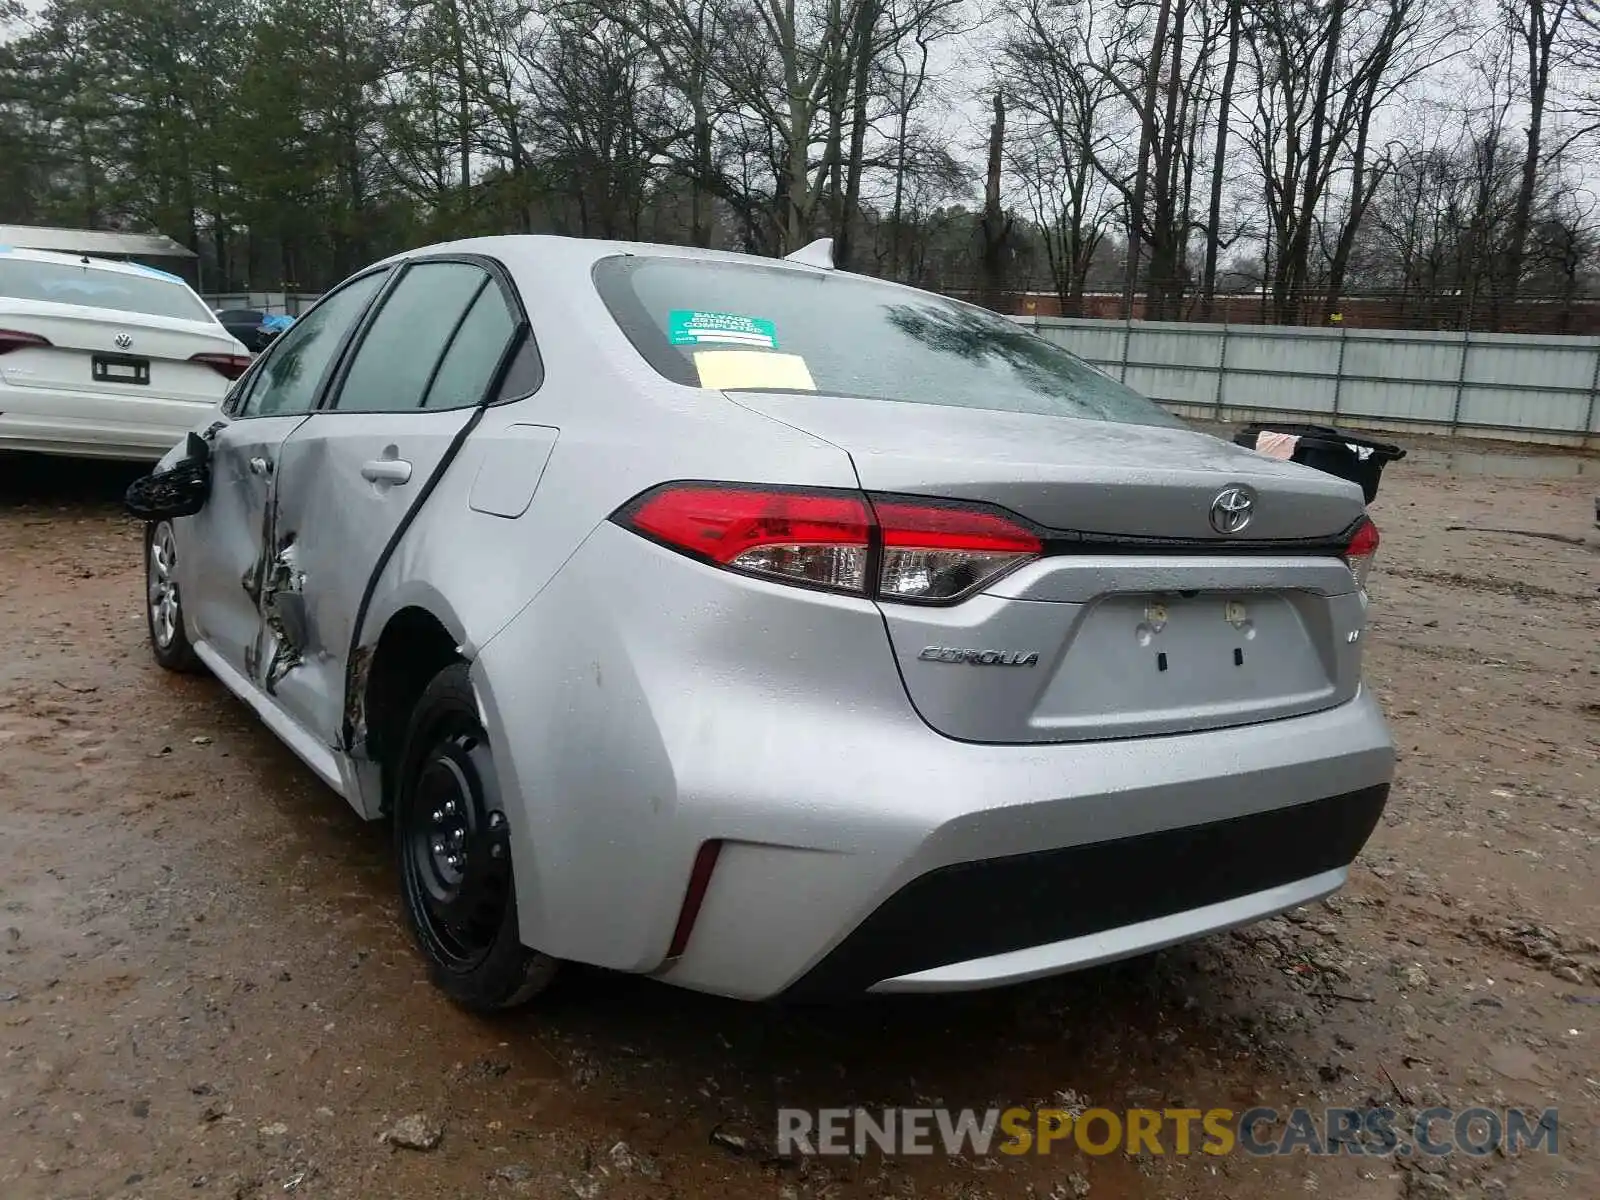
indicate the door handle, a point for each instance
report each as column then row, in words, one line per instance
column 260, row 466
column 387, row 470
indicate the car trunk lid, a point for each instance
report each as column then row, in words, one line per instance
column 78, row 337
column 1142, row 617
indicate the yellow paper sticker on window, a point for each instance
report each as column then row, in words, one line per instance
column 729, row 370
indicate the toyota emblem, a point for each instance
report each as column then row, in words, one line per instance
column 123, row 340
column 1232, row 509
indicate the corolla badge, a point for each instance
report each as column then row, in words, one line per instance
column 980, row 658
column 1232, row 509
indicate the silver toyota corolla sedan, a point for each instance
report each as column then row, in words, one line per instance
column 767, row 629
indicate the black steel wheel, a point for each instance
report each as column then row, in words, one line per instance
column 452, row 841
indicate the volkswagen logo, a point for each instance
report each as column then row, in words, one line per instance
column 123, row 340
column 1232, row 509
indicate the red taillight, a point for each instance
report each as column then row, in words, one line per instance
column 1363, row 548
column 814, row 537
column 928, row 551
column 15, row 339
column 699, row 880
column 934, row 552
column 229, row 366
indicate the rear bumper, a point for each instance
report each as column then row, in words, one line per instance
column 861, row 849
column 135, row 428
column 115, row 449
column 1005, row 920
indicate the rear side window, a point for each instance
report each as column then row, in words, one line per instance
column 395, row 362
column 475, row 352
column 749, row 327
column 122, row 291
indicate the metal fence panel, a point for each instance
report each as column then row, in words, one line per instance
column 1177, row 346
column 290, row 303
column 1531, row 387
column 1309, row 394
column 1100, row 342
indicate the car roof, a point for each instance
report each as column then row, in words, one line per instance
column 89, row 262
column 544, row 249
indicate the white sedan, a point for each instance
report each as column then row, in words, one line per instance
column 105, row 359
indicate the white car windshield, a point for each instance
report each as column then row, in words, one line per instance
column 87, row 284
column 848, row 335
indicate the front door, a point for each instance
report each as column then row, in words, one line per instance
column 351, row 475
column 222, row 558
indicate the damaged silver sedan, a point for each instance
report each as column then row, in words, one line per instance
column 768, row 629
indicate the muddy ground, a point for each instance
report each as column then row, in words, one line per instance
column 205, row 989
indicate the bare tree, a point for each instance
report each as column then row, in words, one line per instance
column 1321, row 75
column 994, row 225
column 1146, row 109
column 1219, row 156
column 1536, row 27
column 1063, row 103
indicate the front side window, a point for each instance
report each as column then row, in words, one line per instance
column 751, row 327
column 288, row 379
column 395, row 362
column 133, row 291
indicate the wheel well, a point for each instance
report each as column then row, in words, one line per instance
column 413, row 648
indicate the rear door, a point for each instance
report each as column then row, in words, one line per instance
column 352, row 473
column 223, row 548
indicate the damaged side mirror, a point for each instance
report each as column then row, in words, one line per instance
column 179, row 490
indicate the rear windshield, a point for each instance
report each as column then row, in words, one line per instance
column 748, row 327
column 72, row 283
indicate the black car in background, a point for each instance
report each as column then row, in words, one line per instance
column 255, row 329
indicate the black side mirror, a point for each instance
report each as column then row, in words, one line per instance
column 178, row 491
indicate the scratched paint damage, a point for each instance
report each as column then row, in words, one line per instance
column 276, row 587
column 355, row 697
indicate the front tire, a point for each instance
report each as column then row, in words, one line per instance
column 163, row 609
column 453, row 852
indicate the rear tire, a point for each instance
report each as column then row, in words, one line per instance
column 163, row 607
column 453, row 852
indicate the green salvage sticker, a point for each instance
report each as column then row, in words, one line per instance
column 688, row 328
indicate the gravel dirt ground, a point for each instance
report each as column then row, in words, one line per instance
column 205, row 989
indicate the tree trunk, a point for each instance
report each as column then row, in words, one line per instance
column 995, row 226
column 1296, row 264
column 798, row 182
column 1147, row 120
column 833, row 150
column 91, row 190
column 1219, row 159
column 1165, row 242
column 1539, row 34
column 1360, row 197
column 903, row 121
column 897, row 211
column 866, row 24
